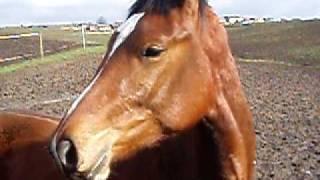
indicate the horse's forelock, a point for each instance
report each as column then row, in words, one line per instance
column 161, row 7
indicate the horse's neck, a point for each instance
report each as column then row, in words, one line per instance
column 224, row 70
column 191, row 155
column 226, row 77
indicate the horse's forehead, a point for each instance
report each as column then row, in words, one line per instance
column 125, row 30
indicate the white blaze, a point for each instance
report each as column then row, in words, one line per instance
column 125, row 30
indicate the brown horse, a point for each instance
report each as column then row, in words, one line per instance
column 166, row 92
column 24, row 140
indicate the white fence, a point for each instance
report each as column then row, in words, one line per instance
column 83, row 32
column 19, row 36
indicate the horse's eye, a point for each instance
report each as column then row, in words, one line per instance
column 152, row 51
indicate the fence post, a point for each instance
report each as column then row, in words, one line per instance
column 83, row 37
column 41, row 45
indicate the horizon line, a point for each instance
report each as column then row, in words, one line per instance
column 52, row 23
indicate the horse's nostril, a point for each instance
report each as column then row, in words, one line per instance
column 68, row 155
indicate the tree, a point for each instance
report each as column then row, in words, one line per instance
column 101, row 20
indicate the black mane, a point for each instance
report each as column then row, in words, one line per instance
column 162, row 7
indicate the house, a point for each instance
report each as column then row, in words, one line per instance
column 260, row 20
column 104, row 28
column 231, row 20
column 92, row 28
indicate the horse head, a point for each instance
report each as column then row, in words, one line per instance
column 168, row 68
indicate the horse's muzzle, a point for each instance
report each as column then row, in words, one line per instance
column 65, row 155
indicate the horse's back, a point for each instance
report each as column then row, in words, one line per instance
column 24, row 140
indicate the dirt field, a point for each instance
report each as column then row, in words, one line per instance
column 28, row 48
column 293, row 42
column 285, row 102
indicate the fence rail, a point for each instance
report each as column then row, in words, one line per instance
column 84, row 41
column 18, row 36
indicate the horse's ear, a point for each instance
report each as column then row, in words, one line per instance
column 192, row 7
column 191, row 12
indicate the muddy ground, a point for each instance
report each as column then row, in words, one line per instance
column 28, row 48
column 285, row 101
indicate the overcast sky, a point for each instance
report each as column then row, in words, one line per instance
column 45, row 11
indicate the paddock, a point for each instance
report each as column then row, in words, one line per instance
column 284, row 98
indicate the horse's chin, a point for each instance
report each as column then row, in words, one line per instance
column 99, row 175
column 101, row 171
column 102, row 175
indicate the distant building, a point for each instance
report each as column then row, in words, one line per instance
column 260, row 20
column 99, row 28
column 116, row 24
column 231, row 20
column 90, row 27
column 104, row 28
column 275, row 20
column 243, row 20
column 36, row 26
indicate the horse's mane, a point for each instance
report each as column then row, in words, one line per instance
column 162, row 7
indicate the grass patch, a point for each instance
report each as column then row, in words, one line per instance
column 54, row 58
column 293, row 42
column 311, row 53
